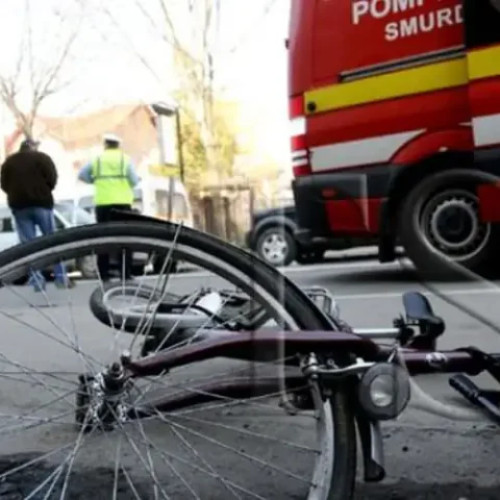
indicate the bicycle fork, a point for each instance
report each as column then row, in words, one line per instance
column 370, row 405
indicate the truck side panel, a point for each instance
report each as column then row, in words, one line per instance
column 483, row 66
column 386, row 74
column 483, row 59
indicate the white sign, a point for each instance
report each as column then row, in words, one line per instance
column 420, row 20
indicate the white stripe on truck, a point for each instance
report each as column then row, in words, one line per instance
column 361, row 152
column 486, row 130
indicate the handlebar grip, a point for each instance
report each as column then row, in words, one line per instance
column 466, row 387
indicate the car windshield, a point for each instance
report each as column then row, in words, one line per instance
column 74, row 214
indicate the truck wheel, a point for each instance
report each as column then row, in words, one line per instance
column 441, row 230
column 276, row 246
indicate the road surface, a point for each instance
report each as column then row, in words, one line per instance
column 427, row 456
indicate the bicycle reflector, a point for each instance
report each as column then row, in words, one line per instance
column 384, row 391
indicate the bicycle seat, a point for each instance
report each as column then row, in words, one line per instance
column 419, row 312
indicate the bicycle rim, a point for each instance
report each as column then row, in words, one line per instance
column 50, row 340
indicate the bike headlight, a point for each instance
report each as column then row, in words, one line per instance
column 384, row 391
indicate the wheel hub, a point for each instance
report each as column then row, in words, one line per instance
column 102, row 399
column 275, row 248
column 455, row 223
column 452, row 225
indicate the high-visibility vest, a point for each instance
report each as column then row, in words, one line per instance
column 111, row 183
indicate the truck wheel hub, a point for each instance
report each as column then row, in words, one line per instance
column 451, row 224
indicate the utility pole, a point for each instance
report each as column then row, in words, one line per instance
column 165, row 110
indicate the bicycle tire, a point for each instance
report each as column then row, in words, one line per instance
column 305, row 314
column 101, row 313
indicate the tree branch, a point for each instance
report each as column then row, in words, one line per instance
column 43, row 82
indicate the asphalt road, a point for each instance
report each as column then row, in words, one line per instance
column 427, row 456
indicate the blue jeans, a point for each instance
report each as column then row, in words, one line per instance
column 27, row 220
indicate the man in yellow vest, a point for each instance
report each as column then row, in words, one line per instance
column 113, row 176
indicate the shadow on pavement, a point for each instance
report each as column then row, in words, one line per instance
column 400, row 275
column 407, row 490
column 83, row 485
column 376, row 276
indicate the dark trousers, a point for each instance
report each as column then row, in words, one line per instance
column 104, row 214
column 27, row 221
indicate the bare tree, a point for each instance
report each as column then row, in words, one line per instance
column 39, row 67
column 188, row 29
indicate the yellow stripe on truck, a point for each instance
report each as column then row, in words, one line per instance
column 484, row 63
column 412, row 81
column 392, row 85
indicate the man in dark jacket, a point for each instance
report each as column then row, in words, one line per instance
column 28, row 177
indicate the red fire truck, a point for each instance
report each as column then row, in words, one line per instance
column 395, row 112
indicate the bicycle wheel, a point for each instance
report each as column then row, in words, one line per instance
column 53, row 352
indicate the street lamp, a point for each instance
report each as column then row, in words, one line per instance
column 161, row 109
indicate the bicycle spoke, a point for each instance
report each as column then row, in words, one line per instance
column 57, row 326
column 36, row 422
column 245, row 432
column 45, row 334
column 74, row 453
column 232, row 372
column 208, row 472
column 30, row 373
column 197, row 455
column 234, row 450
column 118, row 335
column 253, row 401
column 121, row 467
column 34, row 461
column 168, row 463
column 139, row 455
column 54, row 482
column 131, row 483
column 101, row 286
column 144, row 463
column 151, row 463
column 192, row 338
column 12, row 376
column 42, row 406
column 54, row 475
column 164, row 287
column 117, row 468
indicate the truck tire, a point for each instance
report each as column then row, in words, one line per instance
column 440, row 228
column 276, row 246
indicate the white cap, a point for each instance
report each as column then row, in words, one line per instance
column 112, row 138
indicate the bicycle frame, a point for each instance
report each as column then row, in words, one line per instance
column 237, row 345
column 269, row 345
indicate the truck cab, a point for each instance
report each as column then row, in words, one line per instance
column 395, row 115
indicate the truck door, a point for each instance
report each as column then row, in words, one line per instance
column 482, row 34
